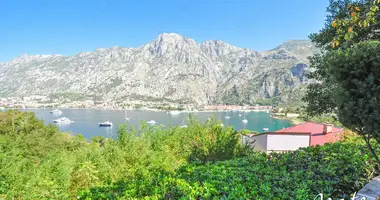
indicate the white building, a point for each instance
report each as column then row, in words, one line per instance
column 277, row 142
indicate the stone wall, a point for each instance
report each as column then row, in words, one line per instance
column 371, row 191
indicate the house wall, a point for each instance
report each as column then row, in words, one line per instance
column 283, row 142
column 260, row 142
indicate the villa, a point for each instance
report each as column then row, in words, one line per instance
column 295, row 137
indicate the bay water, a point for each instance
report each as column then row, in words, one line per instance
column 86, row 120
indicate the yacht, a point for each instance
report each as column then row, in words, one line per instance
column 175, row 112
column 183, row 125
column 152, row 122
column 227, row 117
column 125, row 116
column 244, row 120
column 107, row 123
column 56, row 111
column 265, row 129
column 63, row 120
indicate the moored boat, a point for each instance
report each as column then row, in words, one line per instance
column 105, row 124
column 63, row 120
column 56, row 111
column 152, row 122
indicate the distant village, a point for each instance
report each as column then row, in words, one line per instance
column 39, row 101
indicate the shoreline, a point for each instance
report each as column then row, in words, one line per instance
column 293, row 120
column 147, row 109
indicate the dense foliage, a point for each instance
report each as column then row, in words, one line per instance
column 336, row 170
column 347, row 72
column 39, row 162
column 201, row 161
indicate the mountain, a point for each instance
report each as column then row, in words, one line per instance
column 170, row 68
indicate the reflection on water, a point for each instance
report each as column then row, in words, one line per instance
column 86, row 120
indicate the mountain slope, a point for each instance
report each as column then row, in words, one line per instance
column 169, row 68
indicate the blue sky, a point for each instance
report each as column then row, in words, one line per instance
column 68, row 27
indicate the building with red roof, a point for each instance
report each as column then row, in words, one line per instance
column 319, row 133
column 295, row 137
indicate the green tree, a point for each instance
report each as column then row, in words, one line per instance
column 347, row 71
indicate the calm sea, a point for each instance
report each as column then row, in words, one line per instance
column 86, row 120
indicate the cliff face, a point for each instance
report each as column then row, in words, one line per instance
column 171, row 67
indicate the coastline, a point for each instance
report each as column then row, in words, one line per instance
column 293, row 120
column 143, row 109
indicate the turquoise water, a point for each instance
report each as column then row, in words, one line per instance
column 86, row 120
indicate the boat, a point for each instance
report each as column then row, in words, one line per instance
column 175, row 112
column 227, row 117
column 2, row 108
column 244, row 120
column 63, row 120
column 265, row 129
column 125, row 116
column 56, row 111
column 239, row 115
column 183, row 125
column 222, row 125
column 107, row 123
column 152, row 122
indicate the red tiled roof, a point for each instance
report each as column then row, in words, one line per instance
column 316, row 130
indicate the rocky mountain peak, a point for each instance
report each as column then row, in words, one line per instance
column 300, row 47
column 29, row 58
column 169, row 42
column 216, row 48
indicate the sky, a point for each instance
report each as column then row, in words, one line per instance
column 68, row 27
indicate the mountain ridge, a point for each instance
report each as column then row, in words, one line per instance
column 170, row 67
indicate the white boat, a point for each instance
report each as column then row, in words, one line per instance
column 125, row 116
column 265, row 129
column 56, row 111
column 175, row 112
column 63, row 120
column 152, row 122
column 227, row 117
column 107, row 123
column 244, row 120
column 183, row 125
column 239, row 115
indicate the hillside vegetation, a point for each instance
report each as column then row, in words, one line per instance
column 202, row 161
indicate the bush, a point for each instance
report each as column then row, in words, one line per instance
column 336, row 170
column 39, row 162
